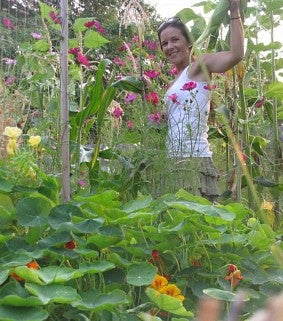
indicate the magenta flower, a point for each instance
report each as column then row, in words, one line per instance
column 153, row 98
column 155, row 118
column 117, row 112
column 210, row 87
column 151, row 56
column 96, row 24
column 124, row 47
column 82, row 183
column 130, row 97
column 152, row 74
column 174, row 98
column 189, row 85
column 82, row 59
column 135, row 39
column 129, row 124
column 8, row 23
column 119, row 62
column 260, row 102
column 36, row 35
column 150, row 44
column 90, row 24
column 173, row 71
column 9, row 80
column 74, row 51
column 55, row 17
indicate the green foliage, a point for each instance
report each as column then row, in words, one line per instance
column 111, row 255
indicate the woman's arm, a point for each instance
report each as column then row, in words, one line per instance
column 224, row 60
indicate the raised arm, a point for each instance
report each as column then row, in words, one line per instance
column 224, row 60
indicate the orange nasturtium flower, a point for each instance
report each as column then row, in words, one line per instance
column 70, row 245
column 159, row 282
column 234, row 275
column 172, row 290
column 30, row 265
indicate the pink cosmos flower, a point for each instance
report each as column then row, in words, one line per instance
column 8, row 23
column 174, row 98
column 152, row 74
column 189, row 85
column 82, row 183
column 135, row 39
column 119, row 62
column 150, row 44
column 55, row 17
column 210, row 87
column 129, row 124
column 130, row 97
column 36, row 35
column 9, row 80
column 151, row 56
column 152, row 98
column 10, row 61
column 117, row 112
column 173, row 71
column 74, row 51
column 124, row 47
column 155, row 118
column 82, row 59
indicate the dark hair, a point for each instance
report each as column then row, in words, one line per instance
column 174, row 22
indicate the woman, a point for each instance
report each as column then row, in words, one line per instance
column 187, row 104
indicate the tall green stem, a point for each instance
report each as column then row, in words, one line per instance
column 275, row 138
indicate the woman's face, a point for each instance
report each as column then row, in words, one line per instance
column 175, row 47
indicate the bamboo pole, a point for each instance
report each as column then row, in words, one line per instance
column 65, row 154
column 275, row 126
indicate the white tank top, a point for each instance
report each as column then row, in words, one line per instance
column 187, row 112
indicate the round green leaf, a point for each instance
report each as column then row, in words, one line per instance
column 22, row 314
column 168, row 303
column 53, row 293
column 13, row 293
column 96, row 267
column 62, row 214
column 141, row 273
column 95, row 301
column 33, row 211
column 56, row 274
column 220, row 294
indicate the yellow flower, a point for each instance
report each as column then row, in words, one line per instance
column 159, row 282
column 34, row 141
column 267, row 205
column 11, row 147
column 12, row 132
column 172, row 290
